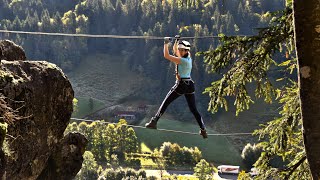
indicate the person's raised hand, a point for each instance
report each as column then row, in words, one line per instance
column 167, row 40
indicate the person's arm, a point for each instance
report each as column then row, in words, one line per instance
column 177, row 52
column 175, row 48
column 169, row 57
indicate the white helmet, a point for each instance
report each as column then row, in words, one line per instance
column 184, row 45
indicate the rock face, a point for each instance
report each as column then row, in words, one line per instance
column 42, row 96
column 10, row 51
column 67, row 159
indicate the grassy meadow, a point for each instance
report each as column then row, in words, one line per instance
column 215, row 149
column 84, row 108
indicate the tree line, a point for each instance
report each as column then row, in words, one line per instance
column 127, row 17
column 113, row 151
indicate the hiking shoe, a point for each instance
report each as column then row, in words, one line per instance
column 152, row 124
column 203, row 133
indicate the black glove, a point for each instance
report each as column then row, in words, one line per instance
column 167, row 40
column 177, row 37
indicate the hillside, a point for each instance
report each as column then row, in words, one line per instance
column 111, row 83
column 107, row 79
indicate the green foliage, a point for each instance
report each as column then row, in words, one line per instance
column 248, row 60
column 152, row 178
column 179, row 156
column 89, row 167
column 136, row 163
column 250, row 155
column 116, row 142
column 120, row 173
column 75, row 104
column 160, row 161
column 285, row 139
column 108, row 142
column 244, row 176
column 203, row 170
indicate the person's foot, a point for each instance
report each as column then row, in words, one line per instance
column 203, row 133
column 152, row 124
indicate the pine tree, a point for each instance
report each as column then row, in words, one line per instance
column 240, row 18
column 36, row 17
column 172, row 18
column 57, row 23
column 45, row 21
column 248, row 59
column 16, row 24
column 28, row 24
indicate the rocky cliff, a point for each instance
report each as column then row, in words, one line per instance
column 38, row 96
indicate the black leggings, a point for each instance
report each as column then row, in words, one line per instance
column 186, row 88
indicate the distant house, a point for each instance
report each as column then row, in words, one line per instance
column 127, row 115
column 228, row 169
column 142, row 107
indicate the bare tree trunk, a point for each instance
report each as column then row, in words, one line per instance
column 307, row 38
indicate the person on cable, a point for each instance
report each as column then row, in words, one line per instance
column 184, row 84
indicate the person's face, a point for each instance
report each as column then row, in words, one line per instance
column 183, row 52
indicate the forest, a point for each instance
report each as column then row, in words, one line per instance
column 127, row 17
column 280, row 152
column 192, row 18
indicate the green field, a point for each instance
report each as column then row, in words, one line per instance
column 84, row 108
column 215, row 149
column 106, row 79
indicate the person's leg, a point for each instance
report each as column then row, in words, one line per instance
column 171, row 96
column 192, row 106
